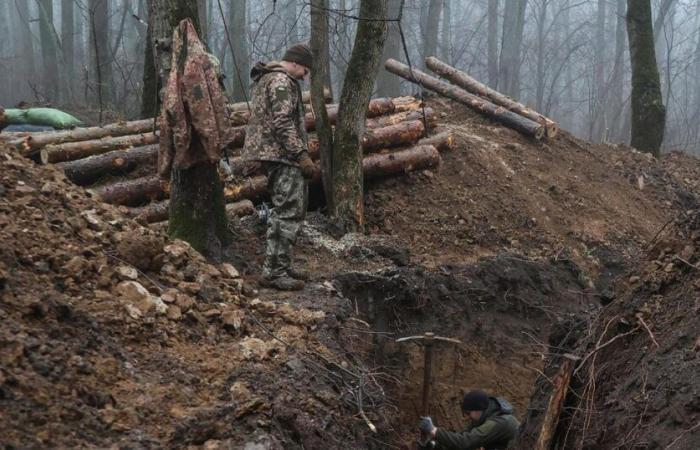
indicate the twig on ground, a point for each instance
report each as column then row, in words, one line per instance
column 640, row 319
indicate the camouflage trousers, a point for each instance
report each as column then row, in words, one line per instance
column 289, row 193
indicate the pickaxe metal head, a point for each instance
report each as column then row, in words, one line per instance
column 427, row 339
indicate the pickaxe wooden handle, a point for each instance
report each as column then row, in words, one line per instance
column 427, row 339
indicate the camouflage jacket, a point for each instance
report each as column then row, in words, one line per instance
column 275, row 131
column 494, row 431
column 193, row 122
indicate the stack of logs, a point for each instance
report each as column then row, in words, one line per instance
column 394, row 140
column 476, row 95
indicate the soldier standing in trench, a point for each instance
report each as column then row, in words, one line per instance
column 276, row 137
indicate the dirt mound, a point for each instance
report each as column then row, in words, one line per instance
column 111, row 334
column 637, row 384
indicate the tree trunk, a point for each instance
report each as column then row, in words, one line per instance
column 100, row 53
column 50, row 73
column 596, row 122
column 71, row 151
column 387, row 84
column 348, row 206
column 414, row 158
column 617, row 82
column 290, row 23
column 240, row 64
column 26, row 46
column 202, row 14
column 511, row 48
column 446, row 37
column 67, row 47
column 319, row 48
column 432, row 22
column 163, row 17
column 197, row 209
column 541, row 78
column 118, row 162
column 555, row 405
column 648, row 111
column 492, row 45
column 472, row 86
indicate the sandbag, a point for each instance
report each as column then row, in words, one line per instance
column 51, row 117
column 15, row 117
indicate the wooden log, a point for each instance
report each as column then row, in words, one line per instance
column 158, row 211
column 385, row 165
column 376, row 138
column 404, row 116
column 485, row 107
column 443, row 141
column 35, row 141
column 140, row 190
column 556, row 402
column 71, row 151
column 473, row 86
column 87, row 170
column 131, row 192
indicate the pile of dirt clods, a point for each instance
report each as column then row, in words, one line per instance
column 113, row 337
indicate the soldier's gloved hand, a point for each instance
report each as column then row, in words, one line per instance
column 307, row 167
column 426, row 425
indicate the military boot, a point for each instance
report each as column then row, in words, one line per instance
column 282, row 283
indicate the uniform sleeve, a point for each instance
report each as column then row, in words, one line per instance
column 283, row 103
column 478, row 437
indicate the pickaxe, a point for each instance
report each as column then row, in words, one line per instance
column 428, row 340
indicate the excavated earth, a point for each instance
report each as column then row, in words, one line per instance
column 509, row 246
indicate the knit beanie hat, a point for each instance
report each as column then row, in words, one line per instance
column 475, row 401
column 300, row 54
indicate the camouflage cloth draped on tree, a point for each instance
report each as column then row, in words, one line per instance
column 194, row 107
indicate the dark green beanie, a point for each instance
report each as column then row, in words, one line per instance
column 300, row 54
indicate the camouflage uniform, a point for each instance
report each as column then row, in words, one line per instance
column 276, row 136
column 496, row 428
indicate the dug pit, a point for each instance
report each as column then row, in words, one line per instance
column 501, row 309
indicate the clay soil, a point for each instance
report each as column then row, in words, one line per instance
column 506, row 239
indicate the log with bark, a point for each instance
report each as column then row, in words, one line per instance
column 32, row 143
column 140, row 190
column 475, row 87
column 130, row 193
column 158, row 211
column 485, row 107
column 377, row 138
column 426, row 115
column 88, row 170
column 71, row 151
column 305, row 98
column 443, row 141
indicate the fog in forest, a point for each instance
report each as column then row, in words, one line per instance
column 568, row 59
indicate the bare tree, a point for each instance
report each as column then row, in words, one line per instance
column 432, row 25
column 67, row 46
column 347, row 201
column 50, row 73
column 511, row 48
column 320, row 79
column 389, row 85
column 648, row 111
column 240, row 61
column 492, row 55
column 100, row 51
column 163, row 17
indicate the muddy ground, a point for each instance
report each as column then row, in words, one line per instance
column 507, row 239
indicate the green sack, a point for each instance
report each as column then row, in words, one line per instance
column 15, row 116
column 51, row 117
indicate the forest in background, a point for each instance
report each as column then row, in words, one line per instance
column 567, row 59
